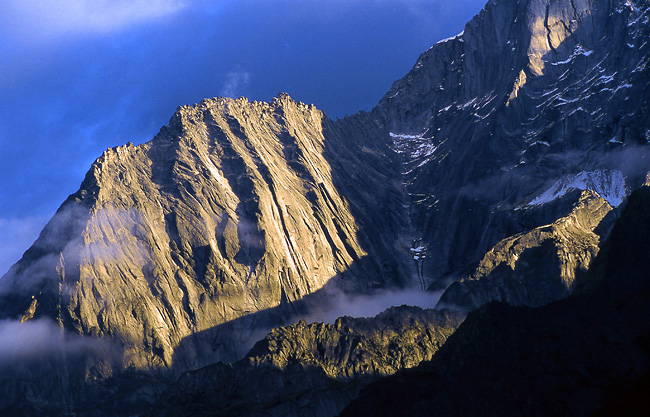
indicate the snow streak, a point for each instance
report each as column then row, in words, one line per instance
column 610, row 185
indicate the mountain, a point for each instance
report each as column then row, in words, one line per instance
column 535, row 97
column 535, row 267
column 494, row 170
column 232, row 209
column 311, row 369
column 584, row 355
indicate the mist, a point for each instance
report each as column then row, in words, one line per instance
column 64, row 244
column 340, row 304
column 36, row 339
column 16, row 235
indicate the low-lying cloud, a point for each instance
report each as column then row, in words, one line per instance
column 340, row 304
column 43, row 338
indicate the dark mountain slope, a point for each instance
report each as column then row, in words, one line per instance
column 568, row 358
column 311, row 369
column 535, row 96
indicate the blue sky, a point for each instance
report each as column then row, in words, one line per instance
column 79, row 76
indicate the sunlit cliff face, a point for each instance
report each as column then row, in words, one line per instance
column 232, row 210
column 552, row 25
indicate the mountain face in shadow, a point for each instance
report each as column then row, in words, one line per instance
column 534, row 98
column 584, row 355
column 494, row 170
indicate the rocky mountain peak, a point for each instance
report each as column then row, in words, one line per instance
column 530, row 94
column 231, row 212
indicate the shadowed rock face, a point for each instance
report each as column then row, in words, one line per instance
column 584, row 355
column 533, row 93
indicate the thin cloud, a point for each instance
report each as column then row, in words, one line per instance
column 39, row 20
column 340, row 304
column 16, row 235
column 236, row 84
column 44, row 338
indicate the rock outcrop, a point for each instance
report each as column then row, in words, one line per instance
column 536, row 267
column 311, row 369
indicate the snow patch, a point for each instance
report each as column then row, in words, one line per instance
column 610, row 185
column 445, row 108
column 451, row 38
column 576, row 110
column 605, row 79
column 472, row 102
column 402, row 136
column 418, row 253
column 578, row 50
column 412, row 146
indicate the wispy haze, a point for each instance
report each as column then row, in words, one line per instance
column 78, row 77
column 340, row 304
column 43, row 338
column 45, row 21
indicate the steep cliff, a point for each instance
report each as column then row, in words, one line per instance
column 533, row 95
column 231, row 211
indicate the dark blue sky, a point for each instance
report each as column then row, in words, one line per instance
column 78, row 76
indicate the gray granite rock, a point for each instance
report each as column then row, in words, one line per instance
column 532, row 93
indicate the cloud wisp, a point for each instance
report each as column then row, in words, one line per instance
column 340, row 304
column 16, row 235
column 43, row 338
column 40, row 20
column 236, row 84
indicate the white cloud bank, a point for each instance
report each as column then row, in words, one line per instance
column 340, row 304
column 38, row 20
column 43, row 338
